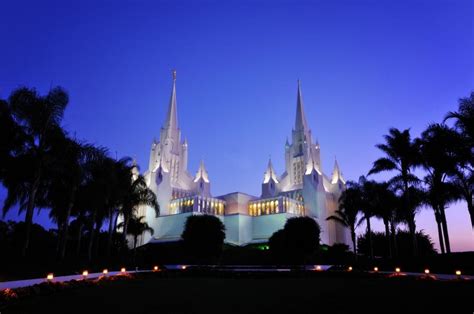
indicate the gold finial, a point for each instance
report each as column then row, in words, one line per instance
column 174, row 74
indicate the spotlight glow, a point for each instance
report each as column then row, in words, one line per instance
column 50, row 276
column 427, row 271
column 123, row 270
column 376, row 269
column 318, row 268
column 85, row 273
column 397, row 270
column 458, row 273
column 155, row 268
column 105, row 271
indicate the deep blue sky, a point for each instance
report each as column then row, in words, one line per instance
column 365, row 66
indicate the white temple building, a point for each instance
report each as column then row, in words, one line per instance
column 302, row 189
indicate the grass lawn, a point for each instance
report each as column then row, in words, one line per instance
column 258, row 293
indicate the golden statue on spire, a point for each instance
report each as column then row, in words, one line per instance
column 174, row 74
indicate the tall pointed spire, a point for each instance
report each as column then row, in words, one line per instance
column 172, row 117
column 202, row 173
column 300, row 122
column 270, row 173
column 336, row 173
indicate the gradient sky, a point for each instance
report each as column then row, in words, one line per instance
column 365, row 66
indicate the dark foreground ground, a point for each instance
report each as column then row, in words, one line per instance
column 258, row 293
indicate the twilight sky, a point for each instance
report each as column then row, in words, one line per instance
column 365, row 66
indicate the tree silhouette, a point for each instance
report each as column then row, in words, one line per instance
column 38, row 119
column 463, row 178
column 297, row 241
column 203, row 238
column 401, row 156
column 136, row 228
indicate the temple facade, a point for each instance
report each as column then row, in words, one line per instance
column 301, row 190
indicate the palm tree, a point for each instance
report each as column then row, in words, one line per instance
column 348, row 211
column 137, row 194
column 100, row 190
column 464, row 175
column 367, row 208
column 136, row 227
column 383, row 202
column 68, row 175
column 401, row 156
column 438, row 145
column 39, row 118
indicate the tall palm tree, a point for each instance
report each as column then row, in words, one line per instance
column 39, row 118
column 383, row 202
column 367, row 207
column 136, row 227
column 68, row 175
column 438, row 145
column 402, row 157
column 348, row 211
column 138, row 194
column 464, row 175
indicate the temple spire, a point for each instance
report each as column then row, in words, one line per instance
column 202, row 173
column 172, row 117
column 300, row 122
column 336, row 173
column 270, row 173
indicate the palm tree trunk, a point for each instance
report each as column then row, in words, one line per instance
column 79, row 238
column 29, row 212
column 393, row 232
column 411, row 222
column 440, row 231
column 387, row 236
column 135, row 248
column 97, row 239
column 354, row 243
column 65, row 231
column 58, row 239
column 126, row 221
column 369, row 237
column 91, row 236
column 470, row 208
column 111, row 233
column 412, row 229
column 444, row 224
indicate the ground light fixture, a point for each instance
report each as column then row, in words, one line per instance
column 50, row 277
column 349, row 268
column 105, row 271
column 318, row 268
column 155, row 268
column 458, row 273
column 397, row 270
column 427, row 271
column 123, row 270
column 376, row 269
column 183, row 267
column 85, row 273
